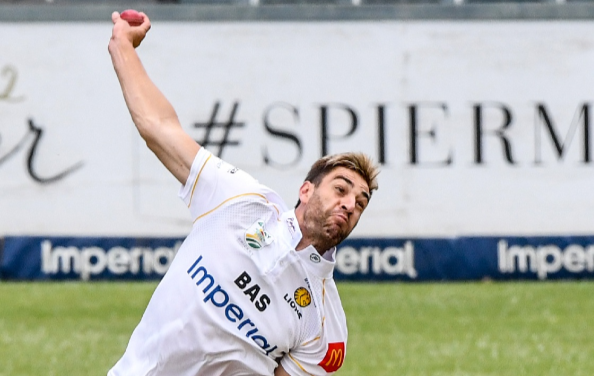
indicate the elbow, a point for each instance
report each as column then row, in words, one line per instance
column 151, row 138
column 148, row 127
column 149, row 131
column 154, row 130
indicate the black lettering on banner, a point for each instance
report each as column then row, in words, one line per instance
column 282, row 134
column 37, row 134
column 381, row 134
column 324, row 124
column 500, row 132
column 10, row 73
column 491, row 124
column 14, row 150
column 415, row 133
column 212, row 123
column 561, row 146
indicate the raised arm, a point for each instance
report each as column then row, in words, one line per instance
column 151, row 112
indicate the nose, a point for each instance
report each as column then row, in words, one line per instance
column 348, row 203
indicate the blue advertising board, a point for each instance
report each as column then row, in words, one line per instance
column 363, row 259
column 466, row 258
column 1, row 257
column 64, row 258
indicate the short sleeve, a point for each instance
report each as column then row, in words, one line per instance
column 314, row 359
column 212, row 182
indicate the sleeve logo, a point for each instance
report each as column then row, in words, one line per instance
column 256, row 236
column 334, row 357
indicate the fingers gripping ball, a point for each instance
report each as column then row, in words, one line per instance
column 133, row 17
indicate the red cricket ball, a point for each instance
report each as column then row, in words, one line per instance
column 133, row 17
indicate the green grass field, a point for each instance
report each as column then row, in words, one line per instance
column 461, row 329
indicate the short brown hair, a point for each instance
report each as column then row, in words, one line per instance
column 358, row 162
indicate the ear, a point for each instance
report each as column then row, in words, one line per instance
column 306, row 191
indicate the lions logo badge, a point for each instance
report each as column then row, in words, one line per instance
column 302, row 297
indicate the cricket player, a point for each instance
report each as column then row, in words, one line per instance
column 250, row 291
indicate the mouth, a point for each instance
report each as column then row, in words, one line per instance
column 341, row 217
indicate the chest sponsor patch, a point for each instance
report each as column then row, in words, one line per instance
column 334, row 357
column 256, row 236
column 219, row 302
column 302, row 297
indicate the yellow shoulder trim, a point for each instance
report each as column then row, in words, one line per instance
column 310, row 341
column 324, row 300
column 196, row 181
column 233, row 198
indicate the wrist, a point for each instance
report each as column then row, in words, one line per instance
column 119, row 44
column 121, row 38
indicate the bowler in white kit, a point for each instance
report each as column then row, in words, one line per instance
column 250, row 291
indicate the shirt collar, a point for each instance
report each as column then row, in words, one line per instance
column 322, row 266
column 291, row 231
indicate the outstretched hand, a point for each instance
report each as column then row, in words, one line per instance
column 134, row 34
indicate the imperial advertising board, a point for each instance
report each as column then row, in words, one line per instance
column 369, row 259
column 482, row 129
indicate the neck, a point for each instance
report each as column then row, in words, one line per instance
column 306, row 236
column 304, row 244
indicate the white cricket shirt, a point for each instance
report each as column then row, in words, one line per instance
column 238, row 298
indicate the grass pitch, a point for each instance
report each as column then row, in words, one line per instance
column 478, row 329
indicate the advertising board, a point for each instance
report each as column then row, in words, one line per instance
column 478, row 132
column 373, row 259
column 67, row 258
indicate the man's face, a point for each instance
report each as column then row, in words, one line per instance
column 335, row 206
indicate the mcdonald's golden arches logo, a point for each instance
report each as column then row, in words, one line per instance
column 334, row 357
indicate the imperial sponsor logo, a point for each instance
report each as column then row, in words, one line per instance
column 334, row 357
column 545, row 259
column 89, row 261
column 375, row 260
column 219, row 298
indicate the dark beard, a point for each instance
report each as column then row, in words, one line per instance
column 321, row 234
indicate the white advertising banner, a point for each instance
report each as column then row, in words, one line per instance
column 481, row 128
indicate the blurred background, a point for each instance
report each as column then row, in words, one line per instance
column 477, row 111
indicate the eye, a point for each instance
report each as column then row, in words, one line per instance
column 340, row 189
